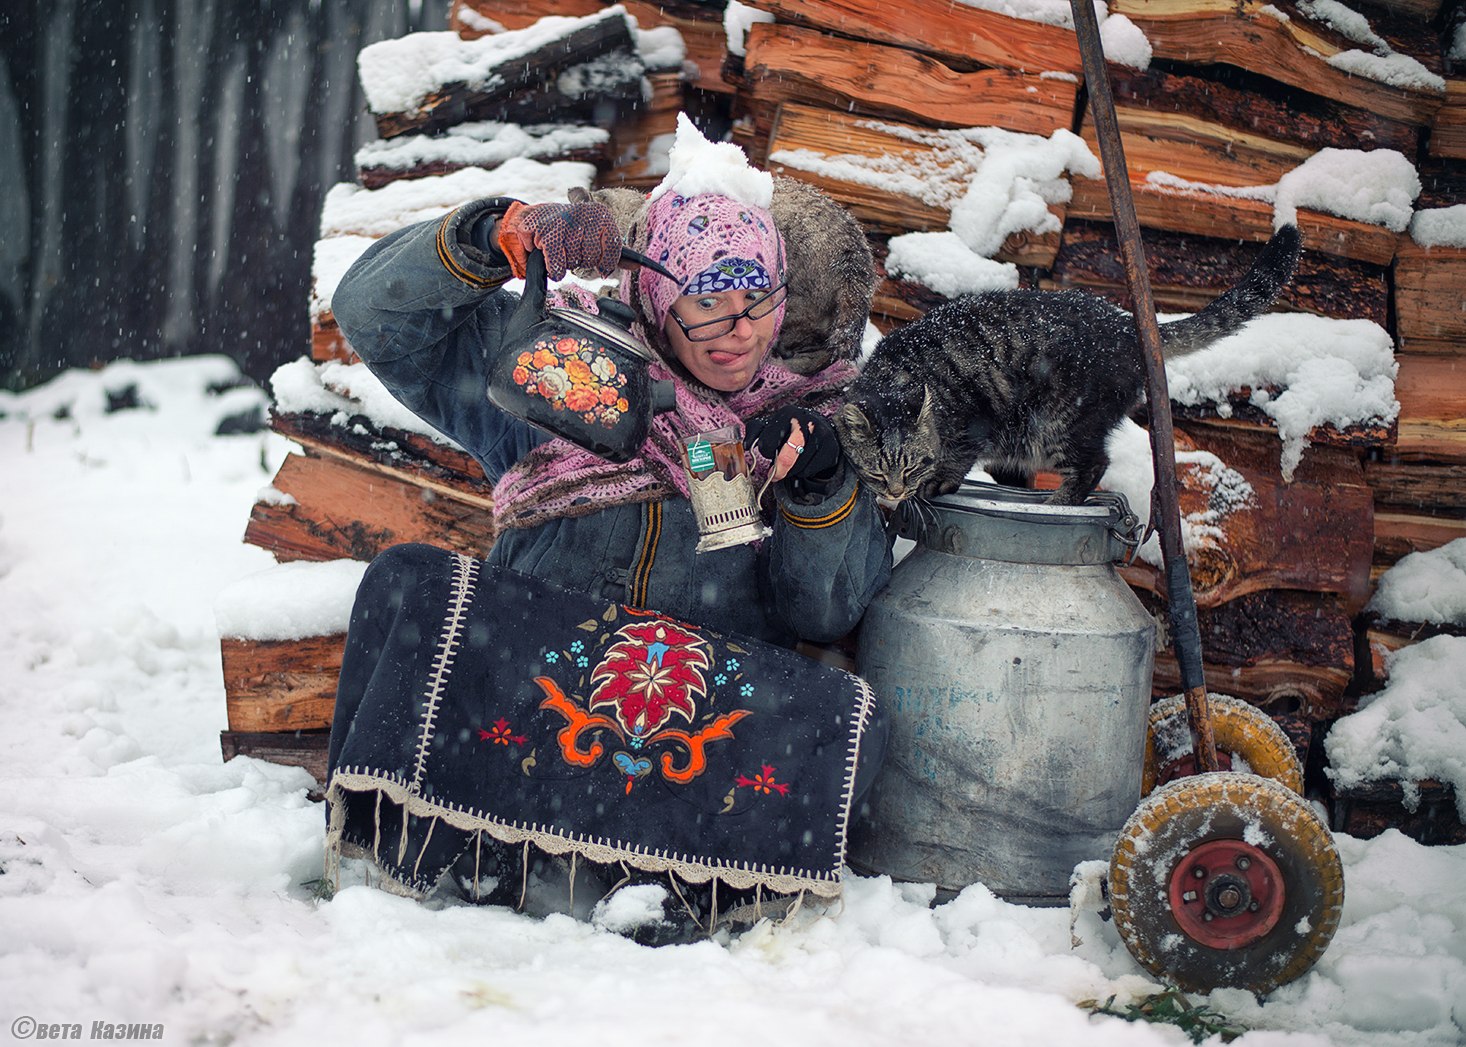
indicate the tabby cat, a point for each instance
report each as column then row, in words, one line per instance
column 1021, row 380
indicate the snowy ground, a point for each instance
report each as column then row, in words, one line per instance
column 146, row 881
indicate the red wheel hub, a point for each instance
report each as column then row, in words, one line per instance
column 1226, row 894
column 1185, row 767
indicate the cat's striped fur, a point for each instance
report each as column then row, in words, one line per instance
column 1022, row 380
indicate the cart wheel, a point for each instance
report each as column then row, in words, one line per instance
column 1226, row 879
column 1241, row 730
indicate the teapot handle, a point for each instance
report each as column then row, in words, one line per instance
column 531, row 308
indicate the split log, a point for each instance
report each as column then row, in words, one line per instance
column 1431, row 391
column 355, row 493
column 307, row 749
column 701, row 26
column 1187, row 272
column 1383, row 636
column 1229, row 217
column 1430, row 300
column 1207, row 131
column 1398, row 534
column 568, row 80
column 1244, row 418
column 1294, row 49
column 1417, row 486
column 1313, row 534
column 791, row 64
column 962, row 36
column 328, row 343
column 1448, row 129
column 640, row 144
column 281, row 685
column 875, row 179
column 1428, row 816
column 484, row 144
column 1285, row 651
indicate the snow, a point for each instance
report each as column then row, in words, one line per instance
column 995, row 182
column 1428, row 586
column 1439, row 226
column 1327, row 372
column 482, row 143
column 343, row 391
column 948, row 266
column 290, row 601
column 1381, row 62
column 697, row 166
column 660, row 47
column 398, row 75
column 1413, row 729
column 145, row 880
column 737, row 19
column 1377, row 186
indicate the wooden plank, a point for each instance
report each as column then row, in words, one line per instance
column 1248, row 35
column 956, row 33
column 411, row 457
column 790, row 64
column 701, row 26
column 639, row 144
column 307, row 749
column 348, row 509
column 1187, row 272
column 1430, row 299
column 1229, row 217
column 1314, row 534
column 946, row 162
column 1429, row 817
column 1382, row 637
column 281, row 685
column 328, row 343
column 1432, row 395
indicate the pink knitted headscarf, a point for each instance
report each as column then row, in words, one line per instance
column 713, row 243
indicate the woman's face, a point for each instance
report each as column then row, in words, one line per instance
column 726, row 363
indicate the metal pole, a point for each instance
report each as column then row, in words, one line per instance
column 1165, row 505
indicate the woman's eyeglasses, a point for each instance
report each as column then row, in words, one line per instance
column 707, row 330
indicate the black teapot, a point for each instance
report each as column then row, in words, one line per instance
column 579, row 375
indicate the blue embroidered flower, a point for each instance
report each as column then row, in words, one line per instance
column 552, row 657
column 746, row 690
column 732, row 665
column 582, row 661
column 577, row 646
column 720, row 679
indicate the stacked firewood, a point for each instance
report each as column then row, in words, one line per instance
column 850, row 96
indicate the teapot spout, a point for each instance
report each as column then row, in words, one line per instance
column 628, row 255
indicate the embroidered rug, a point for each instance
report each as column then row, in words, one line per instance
column 529, row 713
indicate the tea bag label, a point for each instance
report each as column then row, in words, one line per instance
column 700, row 456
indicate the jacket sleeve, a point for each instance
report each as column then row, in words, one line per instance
column 827, row 560
column 425, row 312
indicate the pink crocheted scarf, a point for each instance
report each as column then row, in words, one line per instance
column 559, row 479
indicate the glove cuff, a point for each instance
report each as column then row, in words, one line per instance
column 509, row 243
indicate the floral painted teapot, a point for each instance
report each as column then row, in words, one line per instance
column 579, row 375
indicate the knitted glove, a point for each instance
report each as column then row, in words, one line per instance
column 572, row 236
column 816, row 466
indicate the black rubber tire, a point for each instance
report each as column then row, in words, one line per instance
column 1177, row 818
column 1240, row 730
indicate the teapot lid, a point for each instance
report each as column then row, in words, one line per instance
column 601, row 328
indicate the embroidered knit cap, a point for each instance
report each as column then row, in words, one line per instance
column 713, row 243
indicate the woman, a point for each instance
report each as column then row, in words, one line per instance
column 594, row 647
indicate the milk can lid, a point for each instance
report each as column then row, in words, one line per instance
column 990, row 521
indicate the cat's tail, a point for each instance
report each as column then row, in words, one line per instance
column 1249, row 298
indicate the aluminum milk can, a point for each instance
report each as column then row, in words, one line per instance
column 1014, row 666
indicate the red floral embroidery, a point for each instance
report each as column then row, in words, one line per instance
column 500, row 735
column 764, row 782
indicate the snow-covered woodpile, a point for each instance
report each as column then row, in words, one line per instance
column 958, row 135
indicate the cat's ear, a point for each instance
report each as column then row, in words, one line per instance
column 852, row 422
column 926, row 417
